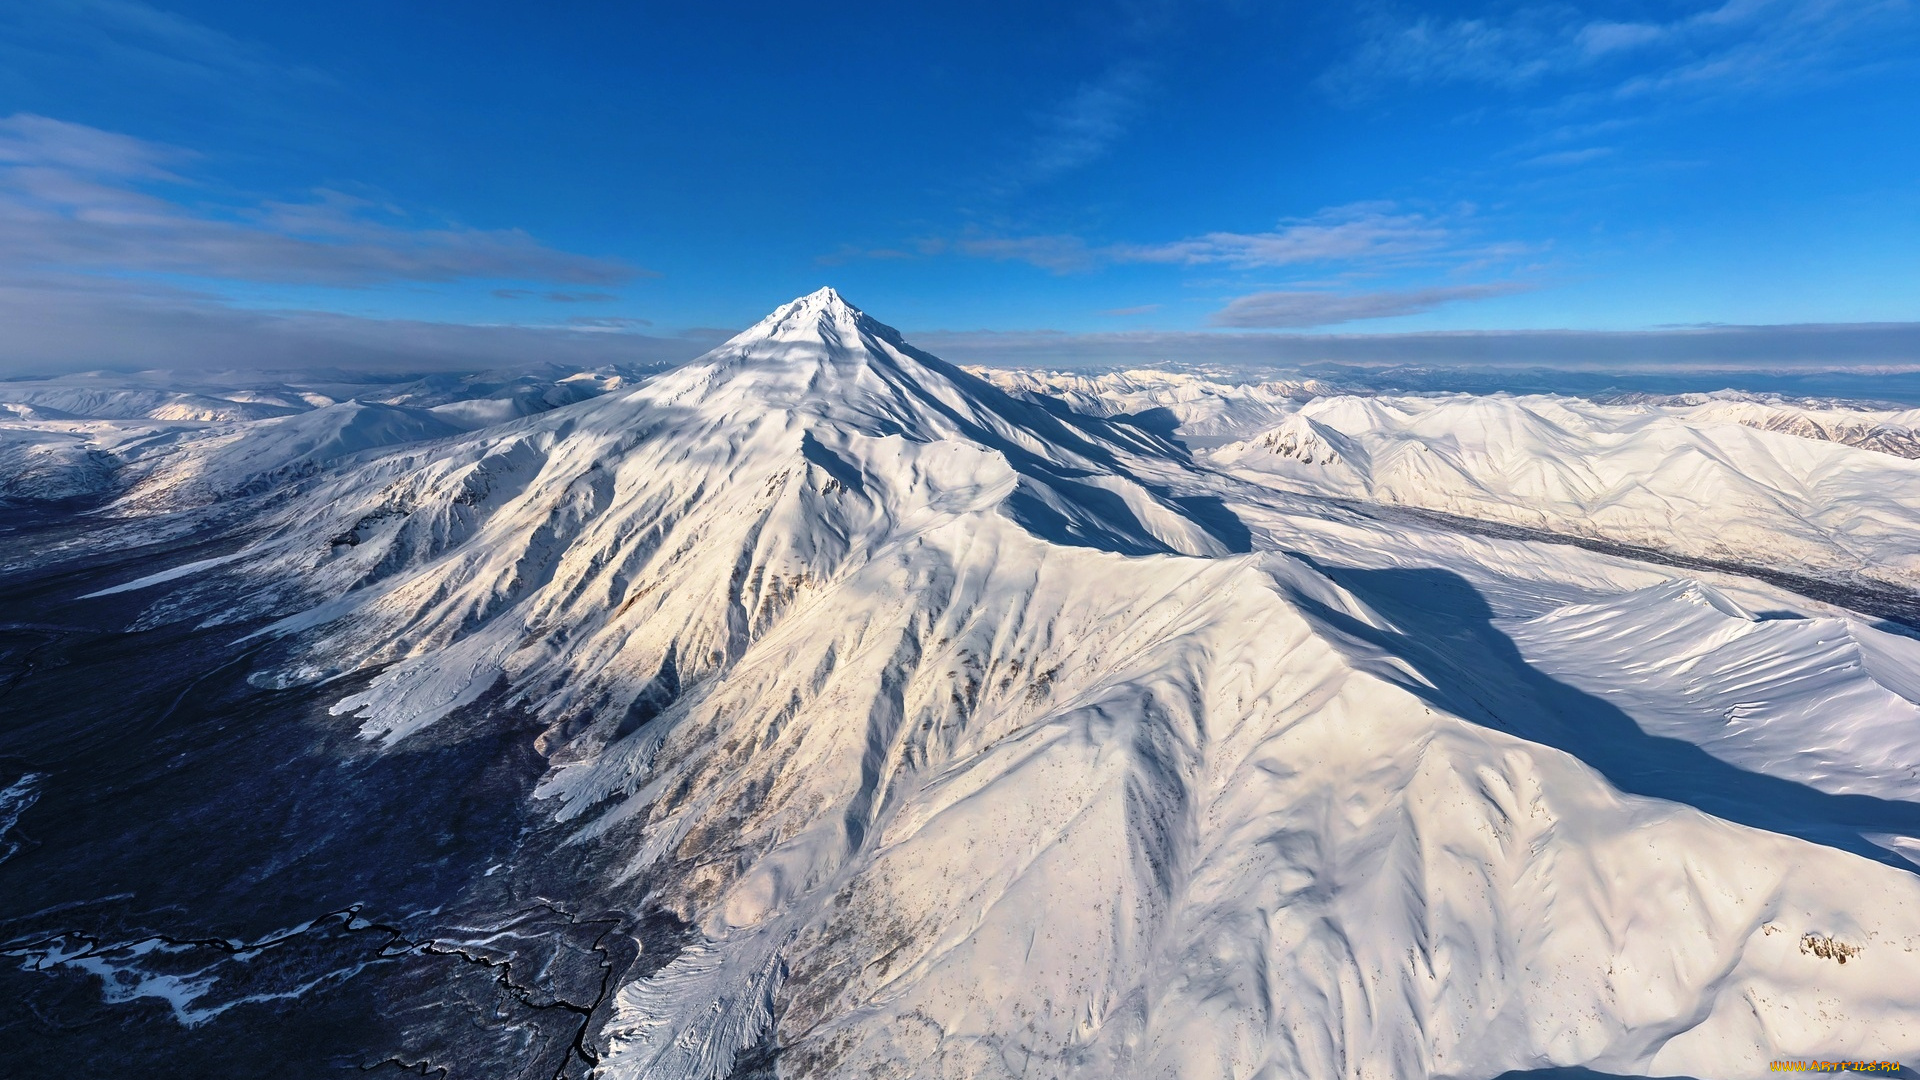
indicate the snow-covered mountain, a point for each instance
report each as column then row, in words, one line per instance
column 49, row 466
column 101, row 436
column 967, row 734
column 1200, row 407
column 60, row 401
column 1694, row 480
column 1887, row 431
column 241, row 458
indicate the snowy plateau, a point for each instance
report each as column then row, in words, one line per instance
column 822, row 709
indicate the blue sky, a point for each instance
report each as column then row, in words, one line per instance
column 214, row 180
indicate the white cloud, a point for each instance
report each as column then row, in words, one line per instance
column 1735, row 42
column 1571, row 157
column 1362, row 232
column 74, row 197
column 1598, row 38
column 76, row 323
column 1084, row 126
column 128, row 35
column 1372, row 234
column 1306, row 307
column 28, row 141
column 1060, row 254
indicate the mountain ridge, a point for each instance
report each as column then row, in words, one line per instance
column 960, row 743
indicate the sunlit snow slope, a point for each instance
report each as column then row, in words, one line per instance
column 1695, row 482
column 1200, row 407
column 976, row 740
column 101, row 437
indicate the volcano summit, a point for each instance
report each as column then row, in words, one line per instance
column 822, row 709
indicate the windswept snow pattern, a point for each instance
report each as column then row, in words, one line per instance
column 975, row 736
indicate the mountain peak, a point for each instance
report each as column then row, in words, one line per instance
column 825, row 297
column 821, row 315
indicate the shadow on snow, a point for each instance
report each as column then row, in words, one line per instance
column 1446, row 631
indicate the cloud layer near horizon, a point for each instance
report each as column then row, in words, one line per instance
column 113, row 256
column 1815, row 347
column 79, row 326
column 89, row 324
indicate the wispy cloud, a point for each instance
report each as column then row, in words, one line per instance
column 1082, row 128
column 92, row 223
column 1731, row 43
column 1359, row 232
column 556, row 297
column 919, row 248
column 1765, row 42
column 1307, row 307
column 1137, row 309
column 619, row 323
column 1571, row 157
column 74, row 197
column 54, row 146
column 131, row 36
column 1061, row 254
column 57, row 323
column 1373, row 234
column 1423, row 49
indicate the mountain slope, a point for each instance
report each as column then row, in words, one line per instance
column 238, row 459
column 38, row 465
column 1829, row 702
column 1639, row 476
column 1886, row 431
column 803, row 446
column 117, row 403
column 1199, row 407
column 964, row 743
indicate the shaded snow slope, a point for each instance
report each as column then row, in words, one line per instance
column 1632, row 475
column 39, row 465
column 1895, row 434
column 1829, row 702
column 478, row 402
column 975, row 737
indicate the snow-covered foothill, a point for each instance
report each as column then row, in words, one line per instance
column 1632, row 474
column 1200, row 407
column 1885, row 430
column 142, row 449
column 242, row 458
column 50, row 466
column 134, row 403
